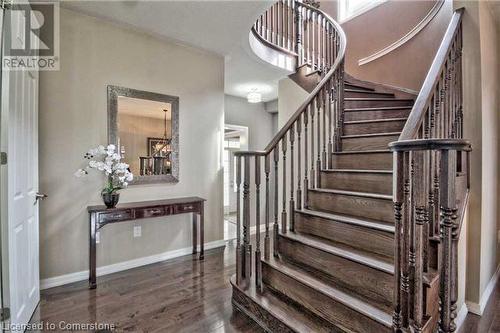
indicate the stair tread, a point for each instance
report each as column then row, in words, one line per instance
column 363, row 151
column 354, row 193
column 358, row 86
column 358, row 171
column 342, row 250
column 348, row 300
column 368, row 121
column 368, row 92
column 369, row 135
column 364, row 222
column 283, row 311
column 379, row 108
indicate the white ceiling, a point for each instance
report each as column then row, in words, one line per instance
column 221, row 27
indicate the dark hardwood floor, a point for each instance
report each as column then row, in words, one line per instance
column 179, row 295
column 489, row 322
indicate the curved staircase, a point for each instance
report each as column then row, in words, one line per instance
column 354, row 245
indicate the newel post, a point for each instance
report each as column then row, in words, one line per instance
column 398, row 181
column 448, row 255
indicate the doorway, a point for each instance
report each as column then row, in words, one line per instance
column 235, row 139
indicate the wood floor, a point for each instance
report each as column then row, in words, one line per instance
column 489, row 322
column 180, row 295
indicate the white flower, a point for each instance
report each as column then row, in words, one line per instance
column 116, row 157
column 101, row 150
column 125, row 184
column 129, row 177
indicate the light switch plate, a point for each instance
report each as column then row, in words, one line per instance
column 137, row 231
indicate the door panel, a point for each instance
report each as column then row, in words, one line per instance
column 19, row 117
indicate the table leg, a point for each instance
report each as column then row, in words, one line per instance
column 92, row 251
column 202, row 230
column 195, row 233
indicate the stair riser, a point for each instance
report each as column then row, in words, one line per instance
column 368, row 161
column 372, row 208
column 319, row 303
column 367, row 94
column 353, row 181
column 371, row 128
column 360, row 279
column 371, row 103
column 375, row 114
column 368, row 143
column 356, row 87
column 359, row 237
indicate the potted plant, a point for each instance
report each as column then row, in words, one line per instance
column 108, row 161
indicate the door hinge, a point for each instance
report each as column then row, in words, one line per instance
column 4, row 314
column 3, row 158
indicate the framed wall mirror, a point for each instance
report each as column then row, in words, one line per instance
column 145, row 128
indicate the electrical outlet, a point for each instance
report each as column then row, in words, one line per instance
column 137, row 231
column 97, row 237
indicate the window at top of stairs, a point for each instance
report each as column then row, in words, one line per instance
column 349, row 9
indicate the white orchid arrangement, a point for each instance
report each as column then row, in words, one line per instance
column 107, row 160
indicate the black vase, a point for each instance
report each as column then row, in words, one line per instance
column 110, row 199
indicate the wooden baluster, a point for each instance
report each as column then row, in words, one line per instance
column 320, row 40
column 330, row 124
column 239, row 253
column 267, row 170
column 318, row 139
column 257, row 222
column 309, row 41
column 276, row 156
column 299, row 162
column 299, row 47
column 283, row 213
column 448, row 277
column 266, row 28
column 281, row 24
column 284, row 27
column 313, row 40
column 419, row 201
column 313, row 175
column 247, row 246
column 324, row 102
column 306, row 164
column 399, row 200
column 406, row 238
column 291, row 208
column 460, row 85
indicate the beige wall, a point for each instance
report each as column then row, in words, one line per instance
column 73, row 118
column 134, row 132
column 290, row 97
column 481, row 127
column 381, row 26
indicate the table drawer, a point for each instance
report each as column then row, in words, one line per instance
column 116, row 216
column 151, row 212
column 186, row 208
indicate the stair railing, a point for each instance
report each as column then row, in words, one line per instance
column 431, row 186
column 303, row 146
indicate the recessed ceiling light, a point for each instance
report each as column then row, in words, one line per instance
column 254, row 97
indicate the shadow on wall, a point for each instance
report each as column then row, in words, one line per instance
column 385, row 24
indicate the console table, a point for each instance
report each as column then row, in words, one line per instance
column 99, row 216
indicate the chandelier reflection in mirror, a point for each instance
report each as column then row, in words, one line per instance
column 159, row 151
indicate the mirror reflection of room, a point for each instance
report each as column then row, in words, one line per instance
column 145, row 135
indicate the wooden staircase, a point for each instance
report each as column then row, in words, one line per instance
column 370, row 185
column 337, row 264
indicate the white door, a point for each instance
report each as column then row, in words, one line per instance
column 20, row 225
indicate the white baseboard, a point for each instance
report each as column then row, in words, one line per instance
column 478, row 308
column 124, row 265
column 461, row 316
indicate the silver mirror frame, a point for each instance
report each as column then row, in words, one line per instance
column 113, row 93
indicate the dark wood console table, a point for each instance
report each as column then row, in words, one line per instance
column 100, row 216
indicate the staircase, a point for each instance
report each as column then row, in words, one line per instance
column 356, row 245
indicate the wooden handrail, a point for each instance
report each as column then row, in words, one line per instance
column 339, row 60
column 423, row 100
column 305, row 143
column 431, row 144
